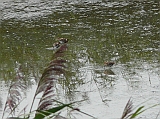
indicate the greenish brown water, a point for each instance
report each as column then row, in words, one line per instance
column 98, row 31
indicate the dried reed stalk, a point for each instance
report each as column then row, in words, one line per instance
column 14, row 96
column 127, row 110
column 46, row 83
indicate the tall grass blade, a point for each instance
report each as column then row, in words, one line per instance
column 41, row 114
column 137, row 112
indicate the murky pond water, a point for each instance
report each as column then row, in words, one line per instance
column 124, row 32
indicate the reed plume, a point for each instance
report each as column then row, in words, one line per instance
column 127, row 110
column 50, row 75
column 46, row 86
column 15, row 93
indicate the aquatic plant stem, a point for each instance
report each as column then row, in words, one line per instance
column 158, row 115
column 76, row 108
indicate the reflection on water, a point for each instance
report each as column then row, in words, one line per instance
column 124, row 32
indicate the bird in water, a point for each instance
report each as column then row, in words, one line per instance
column 109, row 63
